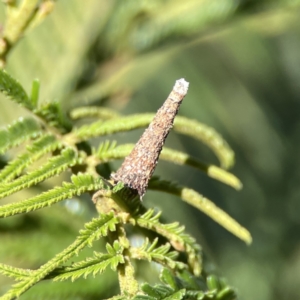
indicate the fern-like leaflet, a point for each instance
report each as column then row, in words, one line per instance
column 42, row 146
column 52, row 167
column 81, row 183
column 22, row 130
column 109, row 151
column 176, row 235
column 15, row 273
column 92, row 265
column 161, row 254
column 182, row 125
column 205, row 205
column 12, row 88
column 93, row 231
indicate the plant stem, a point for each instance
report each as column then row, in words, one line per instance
column 128, row 284
column 17, row 22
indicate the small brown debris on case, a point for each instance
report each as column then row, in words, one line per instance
column 139, row 165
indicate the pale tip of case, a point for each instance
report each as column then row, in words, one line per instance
column 181, row 86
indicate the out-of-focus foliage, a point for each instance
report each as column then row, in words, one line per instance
column 242, row 59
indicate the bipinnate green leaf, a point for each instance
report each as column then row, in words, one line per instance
column 80, row 184
column 212, row 282
column 109, row 151
column 12, row 88
column 226, row 294
column 219, row 287
column 18, row 132
column 183, row 285
column 98, row 227
column 52, row 167
column 168, row 278
column 192, row 128
column 161, row 254
column 93, row 112
column 160, row 292
column 93, row 265
column 119, row 297
column 53, row 114
column 94, row 230
column 197, row 287
column 208, row 136
column 15, row 273
column 104, row 149
column 212, row 171
column 180, row 240
column 205, row 205
column 43, row 145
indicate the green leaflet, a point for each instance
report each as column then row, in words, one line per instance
column 185, row 286
column 105, row 150
column 92, row 265
column 53, row 166
column 93, row 111
column 54, row 116
column 205, row 205
column 176, row 235
column 95, row 229
column 15, row 273
column 109, row 151
column 160, row 292
column 12, row 88
column 80, row 184
column 20, row 131
column 43, row 145
column 96, row 265
column 121, row 124
column 212, row 171
column 35, row 89
column 209, row 137
column 197, row 287
column 161, row 255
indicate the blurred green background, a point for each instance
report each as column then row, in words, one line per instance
column 242, row 59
